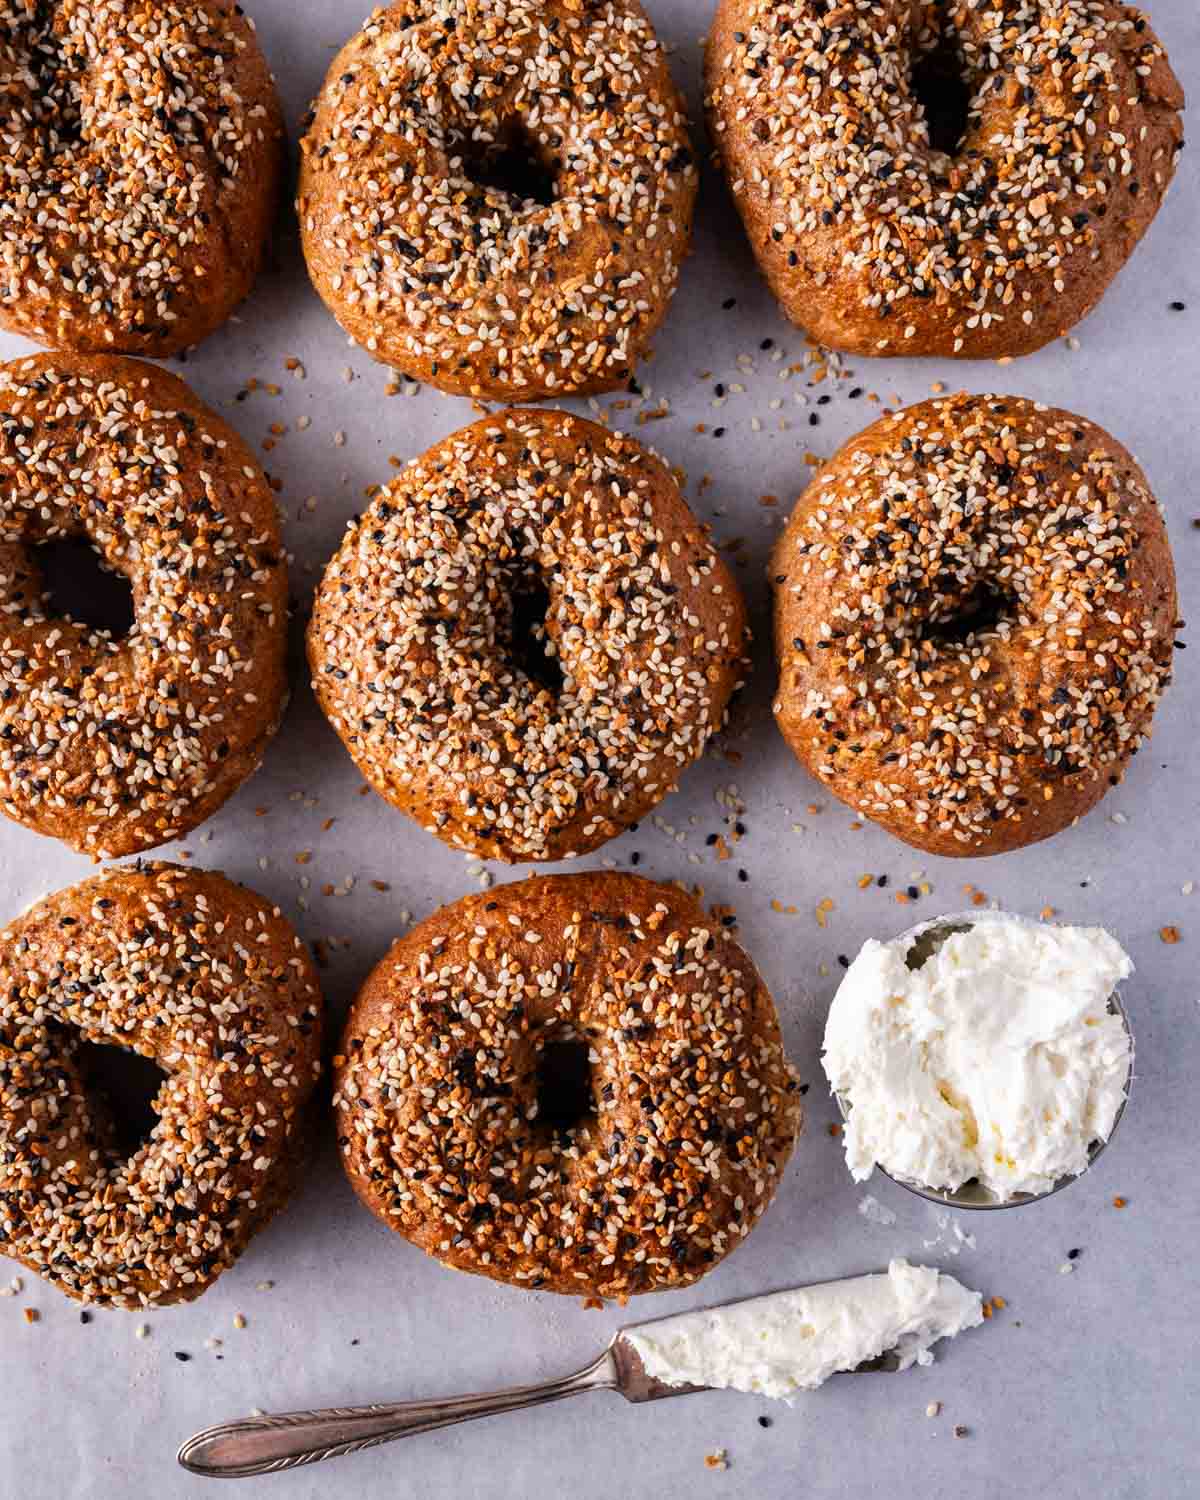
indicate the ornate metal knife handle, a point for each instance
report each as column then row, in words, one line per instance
column 265, row 1445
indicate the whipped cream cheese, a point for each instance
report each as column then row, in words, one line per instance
column 789, row 1342
column 996, row 1058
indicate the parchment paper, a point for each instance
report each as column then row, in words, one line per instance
column 1085, row 1384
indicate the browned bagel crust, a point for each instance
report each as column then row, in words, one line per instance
column 456, row 281
column 877, row 243
column 208, row 980
column 695, row 1106
column 140, row 168
column 411, row 639
column 975, row 614
column 115, row 746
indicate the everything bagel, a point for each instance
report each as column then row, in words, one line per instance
column 117, row 745
column 688, row 1108
column 527, row 637
column 883, row 232
column 207, row 980
column 496, row 195
column 975, row 616
column 140, row 163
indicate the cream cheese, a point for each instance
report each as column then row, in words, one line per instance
column 996, row 1059
column 788, row 1342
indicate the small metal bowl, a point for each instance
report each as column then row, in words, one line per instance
column 972, row 1194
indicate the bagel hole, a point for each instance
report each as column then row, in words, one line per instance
column 981, row 611
column 513, row 164
column 564, row 1085
column 532, row 650
column 79, row 587
column 940, row 87
column 128, row 1083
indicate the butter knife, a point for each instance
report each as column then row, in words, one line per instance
column 272, row 1443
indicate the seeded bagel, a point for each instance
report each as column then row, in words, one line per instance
column 211, row 983
column 117, row 745
column 140, row 162
column 643, row 1176
column 975, row 615
column 881, row 228
column 512, row 736
column 496, row 195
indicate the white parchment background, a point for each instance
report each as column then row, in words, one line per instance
column 1086, row 1385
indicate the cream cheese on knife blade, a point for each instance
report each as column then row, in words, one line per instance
column 788, row 1342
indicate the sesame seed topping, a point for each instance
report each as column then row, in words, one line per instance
column 423, row 664
column 880, row 235
column 119, row 744
column 691, row 1107
column 496, row 197
column 140, row 146
column 982, row 593
column 199, row 975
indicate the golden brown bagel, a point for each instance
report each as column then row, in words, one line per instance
column 118, row 745
column 518, row 737
column 879, row 239
column 140, row 166
column 496, row 195
column 641, row 1178
column 209, row 981
column 975, row 615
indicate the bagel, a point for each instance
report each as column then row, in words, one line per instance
column 514, row 737
column 210, row 982
column 117, row 745
column 496, row 195
column 975, row 614
column 643, row 1175
column 140, row 165
column 883, row 234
